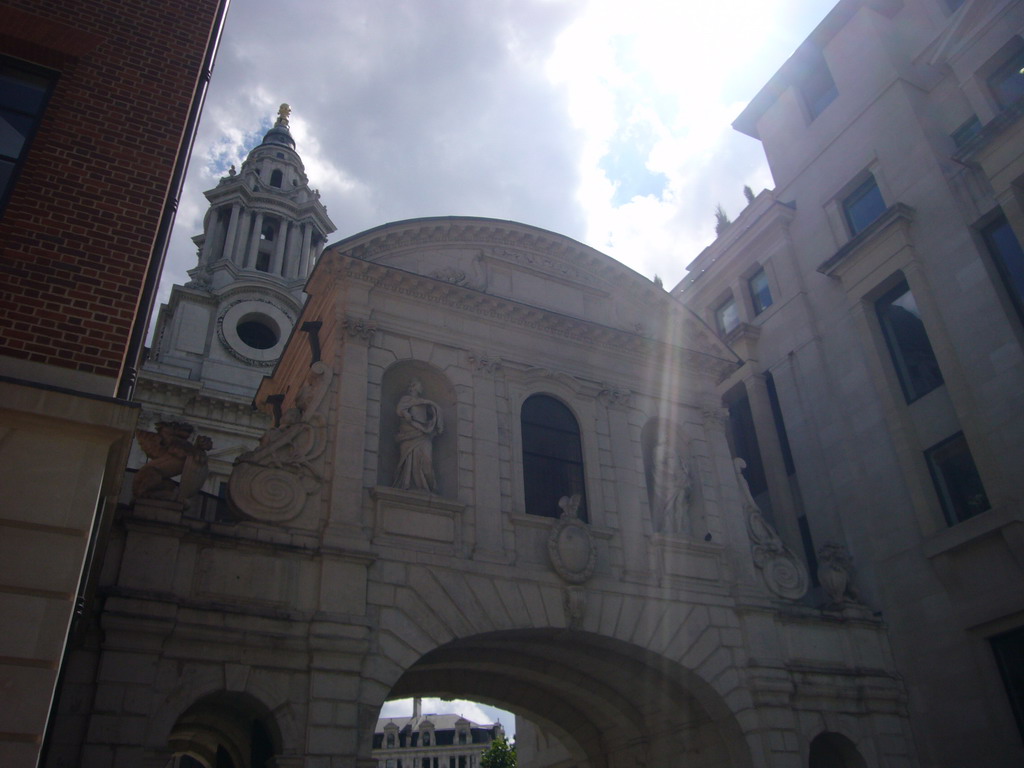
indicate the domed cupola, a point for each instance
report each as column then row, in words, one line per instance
column 261, row 237
column 280, row 134
column 264, row 219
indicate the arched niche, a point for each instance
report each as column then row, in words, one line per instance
column 672, row 479
column 436, row 389
column 833, row 750
column 225, row 730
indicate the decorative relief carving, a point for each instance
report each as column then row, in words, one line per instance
column 171, row 454
column 570, row 545
column 612, row 394
column 272, row 482
column 482, row 361
column 835, row 572
column 358, row 328
column 784, row 574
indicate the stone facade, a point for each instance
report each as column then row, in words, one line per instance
column 875, row 298
column 629, row 597
column 85, row 199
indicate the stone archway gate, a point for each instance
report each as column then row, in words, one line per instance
column 673, row 621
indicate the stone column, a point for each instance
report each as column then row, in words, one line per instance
column 277, row 262
column 254, row 243
column 630, row 488
column 229, row 240
column 242, row 240
column 488, row 545
column 291, row 250
column 307, row 236
column 211, row 237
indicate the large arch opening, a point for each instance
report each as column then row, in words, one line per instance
column 608, row 703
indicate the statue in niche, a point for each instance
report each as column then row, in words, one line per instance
column 420, row 421
column 171, row 454
column 671, row 488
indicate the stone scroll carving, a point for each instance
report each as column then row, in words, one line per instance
column 419, row 421
column 272, row 482
column 171, row 454
column 783, row 572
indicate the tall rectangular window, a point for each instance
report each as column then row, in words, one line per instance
column 817, row 88
column 1008, row 256
column 727, row 316
column 760, row 292
column 24, row 92
column 1009, row 650
column 1007, row 82
column 862, row 206
column 905, row 335
column 956, row 479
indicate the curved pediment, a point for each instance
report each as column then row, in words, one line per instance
column 521, row 263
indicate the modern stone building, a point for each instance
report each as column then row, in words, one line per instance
column 875, row 297
column 432, row 740
column 221, row 333
column 91, row 161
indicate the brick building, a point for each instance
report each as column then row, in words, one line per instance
column 98, row 103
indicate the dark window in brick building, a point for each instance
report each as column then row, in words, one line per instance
column 24, row 91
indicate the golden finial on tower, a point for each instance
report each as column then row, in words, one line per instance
column 282, row 115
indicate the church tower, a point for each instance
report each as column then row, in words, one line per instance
column 223, row 331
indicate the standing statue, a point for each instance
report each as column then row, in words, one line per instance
column 171, row 454
column 671, row 488
column 420, row 421
column 835, row 573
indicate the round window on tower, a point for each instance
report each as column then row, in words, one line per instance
column 254, row 330
column 258, row 331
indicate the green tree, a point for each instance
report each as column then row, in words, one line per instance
column 500, row 754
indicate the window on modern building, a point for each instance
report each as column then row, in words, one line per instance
column 956, row 479
column 24, row 92
column 1008, row 256
column 1009, row 650
column 817, row 88
column 760, row 293
column 862, row 206
column 727, row 316
column 967, row 131
column 552, row 457
column 953, row 5
column 1007, row 82
column 907, row 340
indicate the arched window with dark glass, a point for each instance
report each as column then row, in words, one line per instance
column 276, row 178
column 552, row 457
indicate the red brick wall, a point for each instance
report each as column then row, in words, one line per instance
column 77, row 233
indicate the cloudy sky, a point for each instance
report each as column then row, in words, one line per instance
column 605, row 120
